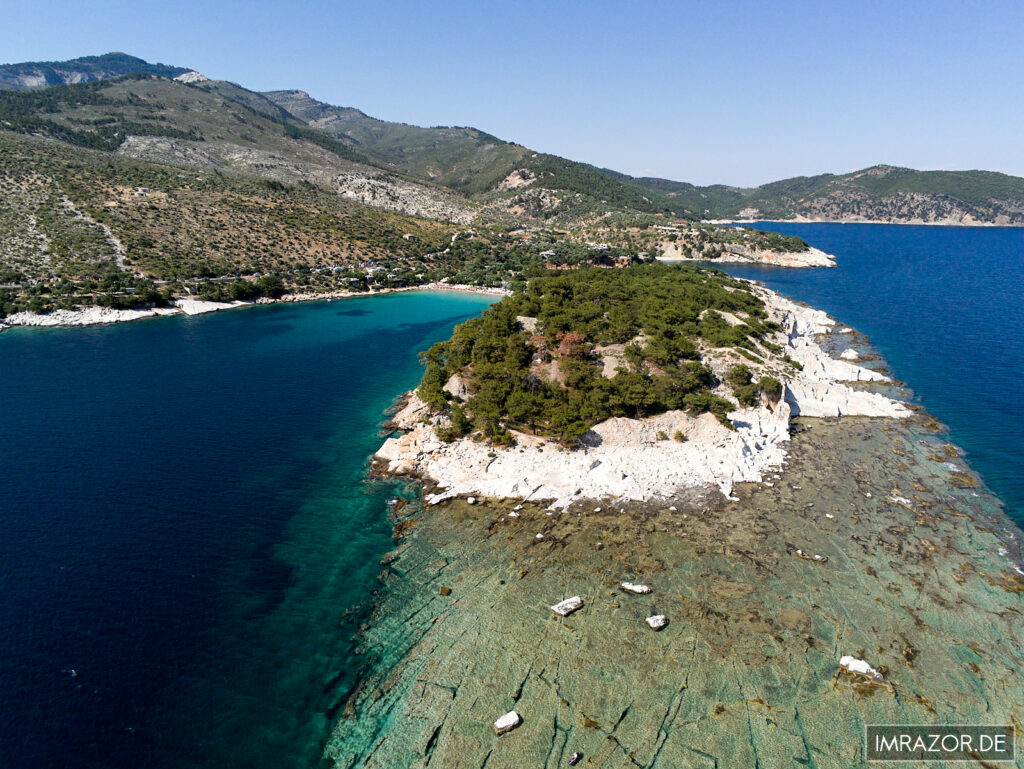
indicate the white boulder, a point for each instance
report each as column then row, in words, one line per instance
column 657, row 621
column 861, row 668
column 630, row 587
column 568, row 606
column 507, row 722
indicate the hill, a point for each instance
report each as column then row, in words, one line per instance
column 220, row 127
column 881, row 193
column 508, row 181
column 580, row 347
column 40, row 74
column 474, row 163
column 465, row 159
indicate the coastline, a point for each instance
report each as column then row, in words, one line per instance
column 624, row 459
column 91, row 316
column 735, row 254
column 876, row 548
column 869, row 547
column 805, row 220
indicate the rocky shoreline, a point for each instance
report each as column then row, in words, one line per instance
column 735, row 253
column 632, row 459
column 870, row 584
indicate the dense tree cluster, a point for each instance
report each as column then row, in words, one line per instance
column 549, row 381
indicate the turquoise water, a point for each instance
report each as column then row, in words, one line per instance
column 945, row 308
column 189, row 540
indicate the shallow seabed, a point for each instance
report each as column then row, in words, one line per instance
column 745, row 674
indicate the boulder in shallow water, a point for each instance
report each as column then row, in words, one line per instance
column 861, row 668
column 657, row 622
column 507, row 722
column 631, row 587
column 568, row 606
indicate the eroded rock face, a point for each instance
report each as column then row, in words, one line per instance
column 456, row 387
column 623, row 458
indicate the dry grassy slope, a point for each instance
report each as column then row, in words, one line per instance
column 507, row 178
column 220, row 126
column 466, row 159
column 188, row 223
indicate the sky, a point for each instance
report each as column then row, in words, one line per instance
column 728, row 92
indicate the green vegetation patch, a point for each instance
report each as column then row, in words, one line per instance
column 550, row 381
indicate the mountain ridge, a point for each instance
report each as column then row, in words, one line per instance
column 508, row 177
column 29, row 75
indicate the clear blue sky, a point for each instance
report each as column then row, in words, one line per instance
column 733, row 92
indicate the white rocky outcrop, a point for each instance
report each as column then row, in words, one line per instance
column 90, row 316
column 657, row 621
column 201, row 307
column 456, row 387
column 192, row 77
column 740, row 254
column 621, row 458
column 819, row 389
column 624, row 458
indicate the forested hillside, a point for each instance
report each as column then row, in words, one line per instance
column 576, row 348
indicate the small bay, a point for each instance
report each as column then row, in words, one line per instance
column 190, row 542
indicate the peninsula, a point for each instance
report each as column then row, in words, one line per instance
column 740, row 553
column 626, row 385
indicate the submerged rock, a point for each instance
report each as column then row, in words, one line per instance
column 745, row 613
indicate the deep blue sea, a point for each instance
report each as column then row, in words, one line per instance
column 945, row 307
column 189, row 543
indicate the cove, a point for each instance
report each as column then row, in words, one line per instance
column 190, row 542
